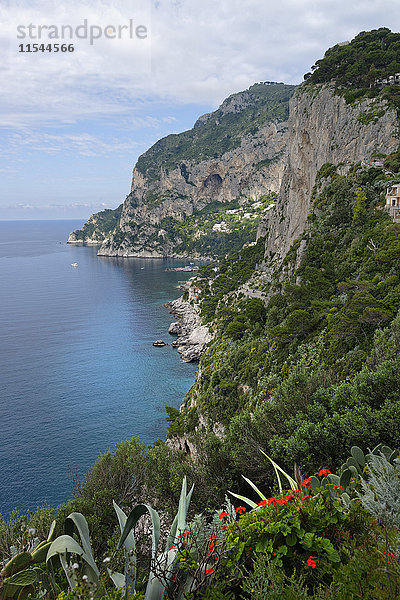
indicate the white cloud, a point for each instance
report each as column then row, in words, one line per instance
column 200, row 52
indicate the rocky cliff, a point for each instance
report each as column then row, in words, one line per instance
column 230, row 156
column 323, row 128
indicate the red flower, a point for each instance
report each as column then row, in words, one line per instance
column 306, row 497
column 262, row 503
column 212, row 546
column 185, row 534
column 312, row 561
column 272, row 501
column 223, row 515
column 337, row 487
column 209, row 571
column 240, row 509
column 306, row 481
column 323, row 472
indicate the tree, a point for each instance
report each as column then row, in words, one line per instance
column 360, row 209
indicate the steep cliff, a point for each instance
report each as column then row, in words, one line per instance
column 231, row 158
column 323, row 128
column 97, row 227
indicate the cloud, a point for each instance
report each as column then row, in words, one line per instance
column 73, row 210
column 200, row 52
column 83, row 144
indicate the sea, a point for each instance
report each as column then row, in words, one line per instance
column 78, row 371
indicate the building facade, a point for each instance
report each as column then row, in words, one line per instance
column 393, row 201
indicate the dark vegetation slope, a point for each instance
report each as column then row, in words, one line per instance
column 305, row 369
column 222, row 131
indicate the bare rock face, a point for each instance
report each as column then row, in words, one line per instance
column 175, row 329
column 193, row 336
column 191, row 187
column 322, row 128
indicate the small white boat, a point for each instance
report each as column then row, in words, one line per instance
column 141, row 268
column 74, row 264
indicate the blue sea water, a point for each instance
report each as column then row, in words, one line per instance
column 78, row 372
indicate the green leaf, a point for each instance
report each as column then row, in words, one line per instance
column 335, row 479
column 358, row 455
column 307, row 540
column 22, row 578
column 133, row 518
column 118, row 579
column 345, row 478
column 64, row 544
column 290, row 479
column 351, row 462
column 130, row 550
column 78, row 521
column 51, row 531
column 291, row 539
column 255, row 488
column 247, row 500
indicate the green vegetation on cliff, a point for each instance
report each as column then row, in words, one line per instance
column 311, row 366
column 99, row 225
column 240, row 115
column 369, row 56
column 304, row 365
column 355, row 66
column 218, row 228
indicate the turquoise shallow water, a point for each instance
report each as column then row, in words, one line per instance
column 78, row 372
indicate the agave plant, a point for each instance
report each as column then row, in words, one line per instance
column 166, row 561
column 65, row 545
column 278, row 471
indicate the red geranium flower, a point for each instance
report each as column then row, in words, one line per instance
column 209, row 571
column 223, row 515
column 272, row 501
column 306, row 481
column 323, row 472
column 312, row 561
column 262, row 503
column 240, row 509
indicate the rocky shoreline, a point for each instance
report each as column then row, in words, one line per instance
column 193, row 337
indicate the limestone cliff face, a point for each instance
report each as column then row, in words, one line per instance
column 236, row 154
column 253, row 169
column 322, row 128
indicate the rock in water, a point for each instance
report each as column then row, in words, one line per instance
column 175, row 328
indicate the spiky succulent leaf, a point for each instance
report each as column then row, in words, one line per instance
column 118, row 579
column 78, row 521
column 292, row 483
column 244, row 499
column 51, row 531
column 255, row 488
column 130, row 550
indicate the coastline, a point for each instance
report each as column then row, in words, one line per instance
column 193, row 337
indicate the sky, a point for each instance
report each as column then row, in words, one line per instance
column 72, row 124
